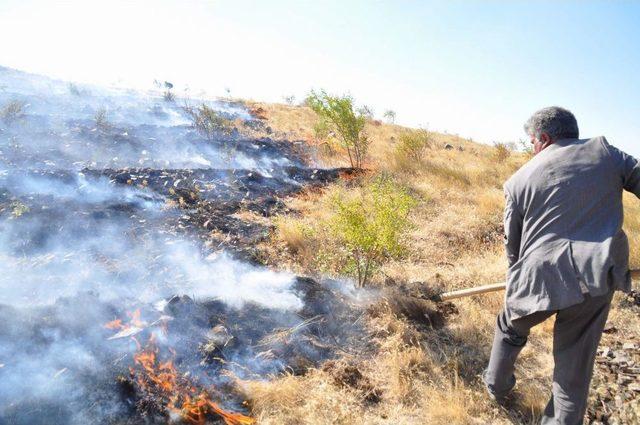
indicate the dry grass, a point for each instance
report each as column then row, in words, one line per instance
column 419, row 374
column 309, row 400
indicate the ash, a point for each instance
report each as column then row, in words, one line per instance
column 121, row 234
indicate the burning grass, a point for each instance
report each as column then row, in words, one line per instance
column 157, row 386
column 136, row 231
column 174, row 394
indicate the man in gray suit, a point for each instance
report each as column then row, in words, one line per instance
column 567, row 254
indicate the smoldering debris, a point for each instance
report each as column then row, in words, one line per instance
column 116, row 307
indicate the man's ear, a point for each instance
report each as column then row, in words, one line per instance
column 545, row 139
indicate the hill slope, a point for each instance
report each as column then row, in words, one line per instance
column 136, row 240
column 418, row 371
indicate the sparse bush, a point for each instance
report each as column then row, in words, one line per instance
column 410, row 149
column 370, row 226
column 208, row 122
column 13, row 111
column 501, row 152
column 338, row 114
column 389, row 116
column 102, row 122
column 413, row 144
column 168, row 96
column 289, row 100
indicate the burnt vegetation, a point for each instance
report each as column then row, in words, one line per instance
column 13, row 111
column 208, row 122
column 122, row 229
column 148, row 255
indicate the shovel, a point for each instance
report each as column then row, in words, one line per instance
column 461, row 293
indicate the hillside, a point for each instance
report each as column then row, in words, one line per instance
column 174, row 260
column 422, row 372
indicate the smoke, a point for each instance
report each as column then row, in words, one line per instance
column 79, row 249
column 71, row 127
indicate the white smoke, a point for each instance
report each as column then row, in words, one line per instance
column 78, row 251
column 142, row 130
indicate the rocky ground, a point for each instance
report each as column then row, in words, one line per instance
column 615, row 394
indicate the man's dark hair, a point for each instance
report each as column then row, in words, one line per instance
column 557, row 122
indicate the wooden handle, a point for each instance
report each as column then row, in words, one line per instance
column 460, row 293
column 635, row 275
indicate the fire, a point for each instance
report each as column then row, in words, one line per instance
column 182, row 398
column 133, row 327
column 134, row 321
column 114, row 324
column 171, row 389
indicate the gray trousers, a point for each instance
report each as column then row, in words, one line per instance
column 576, row 336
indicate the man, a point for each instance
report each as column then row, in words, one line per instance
column 567, row 253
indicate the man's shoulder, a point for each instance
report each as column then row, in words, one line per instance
column 523, row 174
column 554, row 155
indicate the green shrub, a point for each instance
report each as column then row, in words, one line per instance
column 409, row 153
column 208, row 122
column 370, row 226
column 13, row 111
column 413, row 144
column 337, row 113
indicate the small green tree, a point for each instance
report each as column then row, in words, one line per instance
column 370, row 226
column 339, row 114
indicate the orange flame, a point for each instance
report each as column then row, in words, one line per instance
column 114, row 324
column 162, row 380
column 183, row 399
column 134, row 320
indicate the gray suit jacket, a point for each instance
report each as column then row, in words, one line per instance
column 563, row 225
